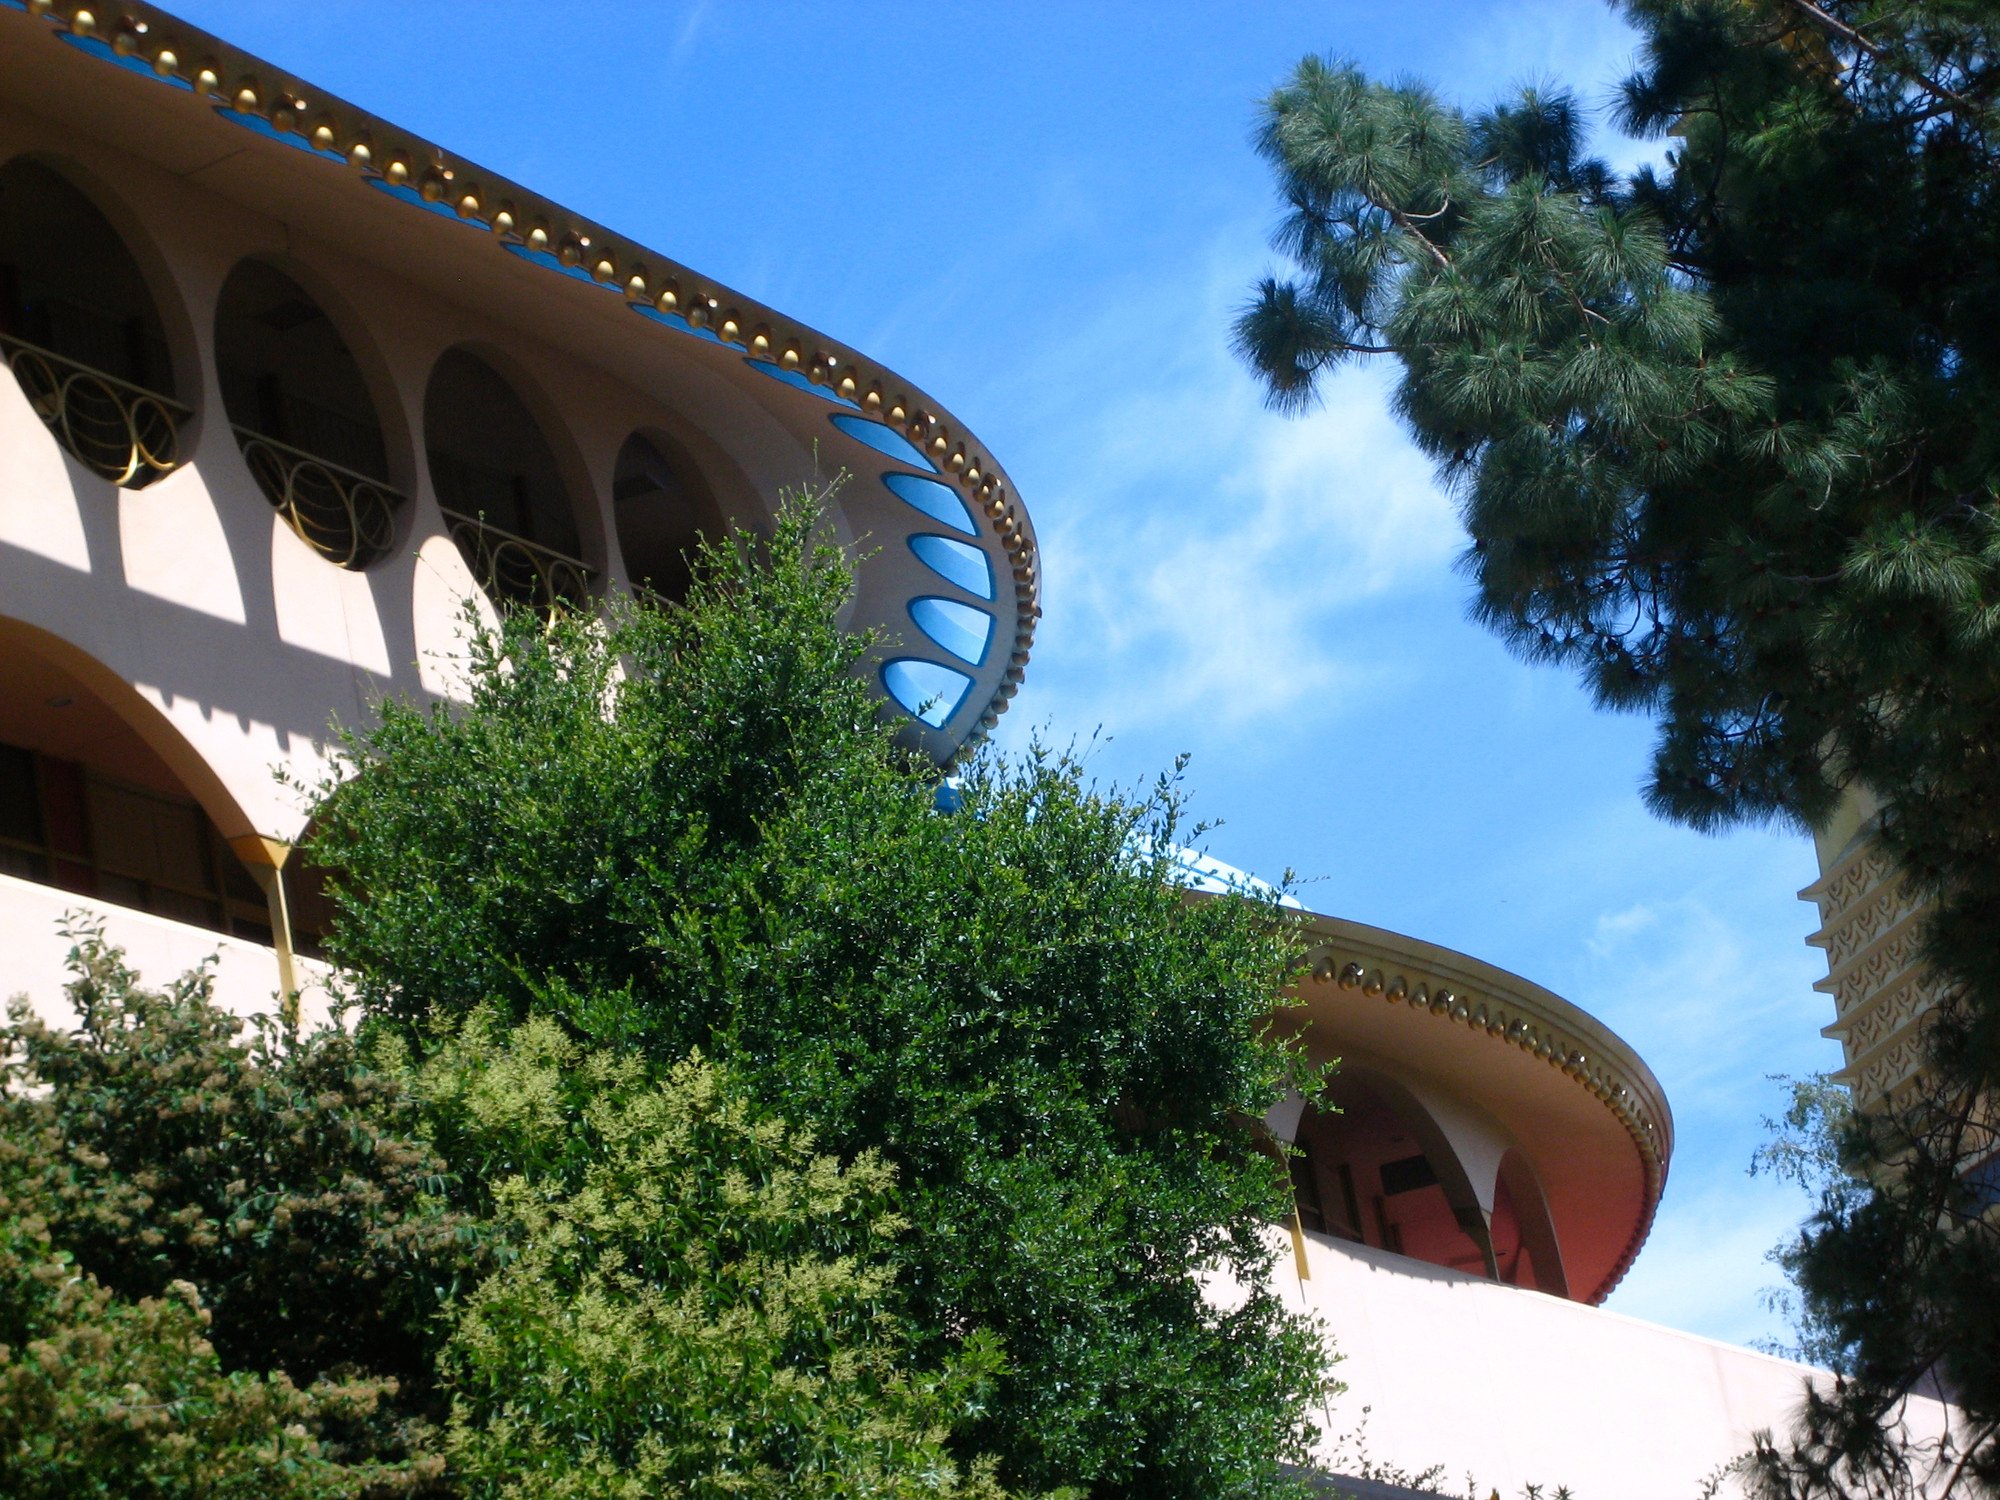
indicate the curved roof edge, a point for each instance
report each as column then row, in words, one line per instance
column 1455, row 988
column 146, row 40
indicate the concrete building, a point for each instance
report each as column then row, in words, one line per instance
column 292, row 389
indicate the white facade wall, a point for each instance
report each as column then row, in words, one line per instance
column 1511, row 1387
column 33, row 950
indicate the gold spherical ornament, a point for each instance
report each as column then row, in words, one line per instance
column 729, row 329
column 503, row 222
column 669, row 298
column 538, row 238
column 468, row 205
column 397, row 172
column 82, row 22
column 246, row 100
column 323, row 137
column 166, row 64
column 635, row 287
column 604, row 270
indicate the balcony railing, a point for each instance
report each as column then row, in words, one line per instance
column 124, row 432
column 514, row 570
column 344, row 516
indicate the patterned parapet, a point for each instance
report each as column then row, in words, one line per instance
column 1871, row 932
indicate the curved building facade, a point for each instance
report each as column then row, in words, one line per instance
column 291, row 389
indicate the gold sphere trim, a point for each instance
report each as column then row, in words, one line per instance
column 398, row 171
column 82, row 23
column 246, row 100
column 166, row 64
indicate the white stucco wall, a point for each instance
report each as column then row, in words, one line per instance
column 1513, row 1387
column 32, row 952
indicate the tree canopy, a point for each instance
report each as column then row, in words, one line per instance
column 697, row 830
column 1725, row 439
column 722, row 1113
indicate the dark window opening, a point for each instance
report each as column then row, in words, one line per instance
column 663, row 514
column 69, row 285
column 488, row 458
column 63, row 824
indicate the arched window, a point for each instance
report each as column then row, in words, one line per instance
column 80, row 331
column 303, row 416
column 86, row 805
column 663, row 512
column 500, row 488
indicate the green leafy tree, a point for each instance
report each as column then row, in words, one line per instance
column 693, row 1302
column 1725, row 437
column 696, row 830
column 154, row 1308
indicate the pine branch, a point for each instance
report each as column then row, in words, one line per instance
column 1880, row 55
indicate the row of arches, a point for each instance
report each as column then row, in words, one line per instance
column 1371, row 1164
column 80, row 326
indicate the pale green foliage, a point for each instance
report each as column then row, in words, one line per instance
column 694, row 1302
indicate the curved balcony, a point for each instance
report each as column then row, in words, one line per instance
column 514, row 570
column 343, row 515
column 120, row 431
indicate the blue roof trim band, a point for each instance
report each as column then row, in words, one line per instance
column 882, row 439
column 674, row 321
column 410, row 195
column 798, row 380
column 99, row 48
column 940, row 502
column 261, row 126
column 959, row 628
column 928, row 691
column 955, row 562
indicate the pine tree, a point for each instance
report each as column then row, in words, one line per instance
column 1725, row 437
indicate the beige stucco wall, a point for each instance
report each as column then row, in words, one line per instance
column 194, row 591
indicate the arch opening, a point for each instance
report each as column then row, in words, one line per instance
column 663, row 512
column 81, row 332
column 500, row 487
column 303, row 417
column 89, row 807
column 1364, row 1170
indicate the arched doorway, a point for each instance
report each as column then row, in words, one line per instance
column 79, row 328
column 663, row 511
column 500, row 487
column 303, row 416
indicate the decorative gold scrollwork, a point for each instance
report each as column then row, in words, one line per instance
column 126, row 433
column 514, row 570
column 346, row 517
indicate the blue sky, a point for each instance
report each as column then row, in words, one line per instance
column 1045, row 215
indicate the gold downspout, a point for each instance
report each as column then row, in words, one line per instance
column 265, row 859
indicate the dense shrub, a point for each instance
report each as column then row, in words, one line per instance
column 693, row 1302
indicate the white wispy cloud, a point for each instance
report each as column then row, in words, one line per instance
column 1200, row 550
